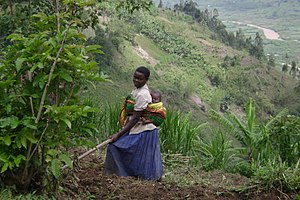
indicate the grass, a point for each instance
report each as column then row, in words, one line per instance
column 152, row 49
column 183, row 171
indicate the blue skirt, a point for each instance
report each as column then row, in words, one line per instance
column 135, row 155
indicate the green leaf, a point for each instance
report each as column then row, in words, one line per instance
column 52, row 152
column 40, row 80
column 6, row 140
column 15, row 37
column 13, row 122
column 55, row 168
column 31, row 137
column 67, row 122
column 65, row 76
column 87, row 130
column 4, row 167
column 19, row 63
column 94, row 48
column 8, row 108
column 29, row 124
column 66, row 159
column 18, row 159
column 39, row 65
column 23, row 142
column 3, row 157
column 53, row 42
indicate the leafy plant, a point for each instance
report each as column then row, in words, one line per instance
column 255, row 138
column 41, row 75
column 285, row 135
column 217, row 152
column 277, row 174
column 178, row 134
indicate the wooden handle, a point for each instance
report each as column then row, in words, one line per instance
column 90, row 151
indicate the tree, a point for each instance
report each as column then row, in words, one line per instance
column 257, row 49
column 285, row 68
column 160, row 5
column 132, row 5
column 271, row 60
column 42, row 70
column 293, row 70
column 41, row 76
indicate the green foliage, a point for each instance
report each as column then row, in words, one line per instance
column 41, row 74
column 276, row 174
column 8, row 194
column 271, row 149
column 256, row 139
column 178, row 134
column 132, row 5
column 217, row 153
column 169, row 42
column 100, row 124
column 285, row 135
column 244, row 132
column 230, row 62
column 257, row 50
column 244, row 168
column 219, row 32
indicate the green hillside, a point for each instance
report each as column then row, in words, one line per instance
column 187, row 66
column 231, row 130
column 281, row 16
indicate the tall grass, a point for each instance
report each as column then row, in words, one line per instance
column 179, row 135
column 108, row 120
column 217, row 153
column 277, row 174
column 100, row 124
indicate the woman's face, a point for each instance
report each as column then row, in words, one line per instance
column 139, row 79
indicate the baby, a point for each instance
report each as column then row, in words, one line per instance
column 155, row 106
column 156, row 96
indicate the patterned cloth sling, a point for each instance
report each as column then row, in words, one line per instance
column 154, row 113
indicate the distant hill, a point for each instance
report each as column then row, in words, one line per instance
column 194, row 72
column 281, row 16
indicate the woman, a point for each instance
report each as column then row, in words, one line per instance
column 135, row 149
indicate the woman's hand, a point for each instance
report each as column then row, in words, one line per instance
column 114, row 137
column 131, row 122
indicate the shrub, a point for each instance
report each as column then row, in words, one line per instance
column 41, row 75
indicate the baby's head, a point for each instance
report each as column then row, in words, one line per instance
column 156, row 97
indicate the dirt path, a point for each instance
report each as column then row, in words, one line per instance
column 144, row 55
column 269, row 33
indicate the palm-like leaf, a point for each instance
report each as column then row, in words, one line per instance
column 282, row 113
column 248, row 133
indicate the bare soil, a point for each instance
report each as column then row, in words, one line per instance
column 89, row 181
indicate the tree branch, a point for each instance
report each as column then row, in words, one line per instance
column 50, row 77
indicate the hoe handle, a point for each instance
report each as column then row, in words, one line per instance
column 90, row 151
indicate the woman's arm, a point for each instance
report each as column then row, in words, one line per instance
column 131, row 122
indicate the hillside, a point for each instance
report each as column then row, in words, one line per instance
column 188, row 66
column 227, row 133
column 277, row 15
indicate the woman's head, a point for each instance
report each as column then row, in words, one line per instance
column 141, row 76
